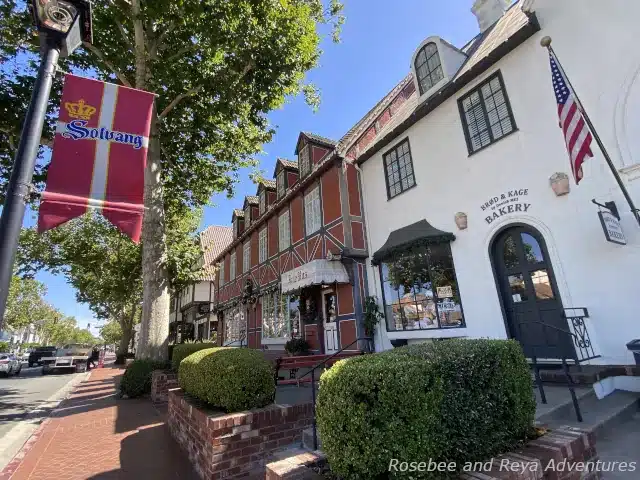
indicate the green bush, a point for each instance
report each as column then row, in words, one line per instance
column 453, row 401
column 232, row 379
column 297, row 346
column 183, row 350
column 136, row 380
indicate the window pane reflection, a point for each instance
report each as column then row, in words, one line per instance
column 542, row 284
column 509, row 253
column 420, row 290
column 518, row 292
column 532, row 250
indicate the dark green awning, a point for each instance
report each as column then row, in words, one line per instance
column 419, row 233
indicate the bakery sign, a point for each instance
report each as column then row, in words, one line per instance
column 510, row 201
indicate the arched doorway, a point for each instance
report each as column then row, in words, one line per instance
column 530, row 299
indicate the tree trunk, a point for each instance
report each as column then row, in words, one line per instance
column 154, row 330
column 154, row 327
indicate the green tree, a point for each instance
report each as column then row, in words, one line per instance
column 218, row 68
column 111, row 333
column 25, row 304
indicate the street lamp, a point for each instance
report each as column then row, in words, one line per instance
column 62, row 25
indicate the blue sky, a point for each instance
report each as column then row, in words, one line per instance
column 378, row 40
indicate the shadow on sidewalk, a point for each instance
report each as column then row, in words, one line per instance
column 150, row 453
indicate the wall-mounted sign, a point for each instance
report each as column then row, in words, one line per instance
column 612, row 228
column 511, row 201
column 444, row 292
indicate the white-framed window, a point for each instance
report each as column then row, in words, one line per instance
column 304, row 158
column 281, row 186
column 247, row 217
column 312, row 211
column 262, row 246
column 262, row 202
column 280, row 316
column 235, row 228
column 232, row 267
column 246, row 257
column 284, row 232
column 222, row 272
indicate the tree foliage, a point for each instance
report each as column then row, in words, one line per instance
column 217, row 67
column 25, row 304
column 111, row 333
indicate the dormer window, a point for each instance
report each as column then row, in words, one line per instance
column 247, row 216
column 263, row 201
column 428, row 67
column 304, row 160
column 281, row 187
column 235, row 228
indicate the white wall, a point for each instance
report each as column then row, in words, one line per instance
column 595, row 42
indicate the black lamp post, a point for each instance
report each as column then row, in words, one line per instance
column 63, row 25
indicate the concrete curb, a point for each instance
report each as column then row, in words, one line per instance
column 19, row 440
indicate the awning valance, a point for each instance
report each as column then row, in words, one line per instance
column 316, row 272
column 419, row 233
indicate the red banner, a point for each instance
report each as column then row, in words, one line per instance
column 99, row 155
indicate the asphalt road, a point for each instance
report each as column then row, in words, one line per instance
column 19, row 396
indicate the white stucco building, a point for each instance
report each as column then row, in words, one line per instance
column 463, row 152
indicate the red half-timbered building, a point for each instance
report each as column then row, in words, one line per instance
column 295, row 267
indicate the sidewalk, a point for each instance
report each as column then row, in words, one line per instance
column 94, row 435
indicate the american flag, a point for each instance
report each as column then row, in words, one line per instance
column 577, row 136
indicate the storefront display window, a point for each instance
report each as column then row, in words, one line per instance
column 235, row 325
column 420, row 290
column 280, row 316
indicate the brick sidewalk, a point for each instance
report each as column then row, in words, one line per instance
column 94, row 435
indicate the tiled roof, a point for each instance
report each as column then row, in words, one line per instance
column 213, row 240
column 477, row 49
column 251, row 200
column 271, row 184
column 319, row 139
column 288, row 163
column 238, row 213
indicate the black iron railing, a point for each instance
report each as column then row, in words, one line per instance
column 583, row 351
column 322, row 363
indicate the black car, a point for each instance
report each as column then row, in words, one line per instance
column 38, row 353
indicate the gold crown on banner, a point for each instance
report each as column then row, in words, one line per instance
column 80, row 110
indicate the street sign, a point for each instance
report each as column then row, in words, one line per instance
column 612, row 228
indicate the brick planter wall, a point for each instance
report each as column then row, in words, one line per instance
column 566, row 447
column 235, row 445
column 161, row 382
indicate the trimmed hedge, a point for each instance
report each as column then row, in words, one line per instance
column 136, row 380
column 453, row 401
column 232, row 379
column 183, row 350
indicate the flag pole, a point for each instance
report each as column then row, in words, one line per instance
column 546, row 43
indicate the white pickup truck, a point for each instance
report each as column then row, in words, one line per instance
column 72, row 357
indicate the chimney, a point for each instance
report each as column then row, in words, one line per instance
column 489, row 12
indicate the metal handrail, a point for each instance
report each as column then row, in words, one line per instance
column 565, row 367
column 234, row 341
column 321, row 363
column 313, row 381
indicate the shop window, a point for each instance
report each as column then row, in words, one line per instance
column 235, row 327
column 280, row 316
column 232, row 267
column 398, row 169
column 284, row 232
column 262, row 246
column 428, row 67
column 312, row 211
column 486, row 114
column 421, row 291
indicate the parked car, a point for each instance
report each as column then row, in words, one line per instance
column 38, row 353
column 9, row 364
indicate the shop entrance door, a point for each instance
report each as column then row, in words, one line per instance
column 330, row 322
column 532, row 306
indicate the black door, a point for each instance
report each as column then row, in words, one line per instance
column 532, row 306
